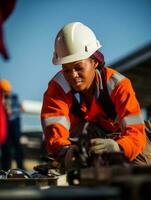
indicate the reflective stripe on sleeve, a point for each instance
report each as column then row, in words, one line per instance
column 60, row 79
column 132, row 120
column 113, row 81
column 56, row 120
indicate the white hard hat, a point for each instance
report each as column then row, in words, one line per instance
column 75, row 41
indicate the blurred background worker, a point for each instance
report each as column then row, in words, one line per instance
column 85, row 90
column 11, row 148
column 6, row 8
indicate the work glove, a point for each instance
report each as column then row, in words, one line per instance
column 100, row 145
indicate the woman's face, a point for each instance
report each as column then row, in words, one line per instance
column 80, row 74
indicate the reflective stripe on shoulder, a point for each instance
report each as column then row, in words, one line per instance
column 113, row 81
column 60, row 79
column 132, row 120
column 56, row 120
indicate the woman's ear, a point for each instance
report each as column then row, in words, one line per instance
column 95, row 63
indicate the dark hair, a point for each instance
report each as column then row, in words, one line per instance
column 100, row 65
column 97, row 55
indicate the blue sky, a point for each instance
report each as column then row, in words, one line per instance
column 122, row 26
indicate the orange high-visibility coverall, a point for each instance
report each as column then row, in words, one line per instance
column 3, row 121
column 58, row 121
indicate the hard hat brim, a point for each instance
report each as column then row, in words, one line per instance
column 74, row 57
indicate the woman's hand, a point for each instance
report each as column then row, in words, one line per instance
column 100, row 145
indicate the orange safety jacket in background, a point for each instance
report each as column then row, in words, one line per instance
column 58, row 119
column 3, row 121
